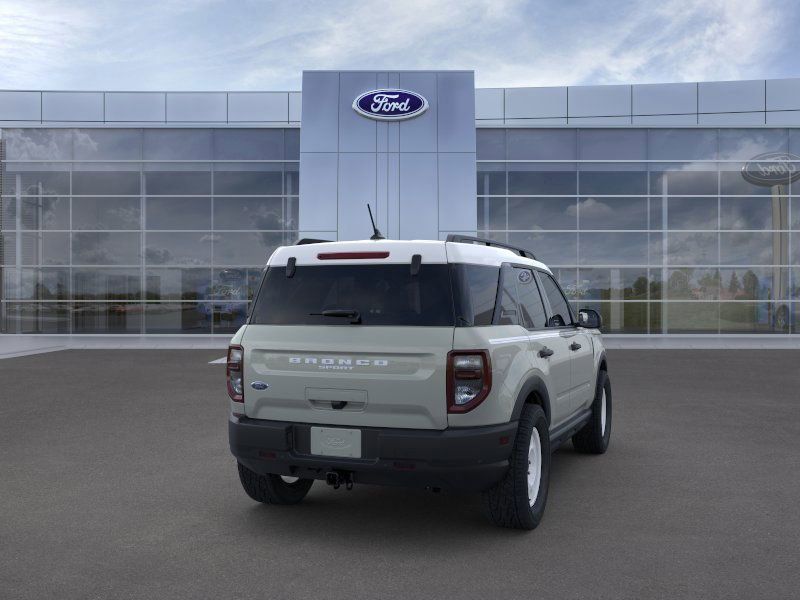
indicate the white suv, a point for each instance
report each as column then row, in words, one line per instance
column 446, row 365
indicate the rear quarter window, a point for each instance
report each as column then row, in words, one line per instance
column 475, row 293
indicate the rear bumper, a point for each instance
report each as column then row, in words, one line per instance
column 466, row 459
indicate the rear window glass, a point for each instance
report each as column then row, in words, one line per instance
column 381, row 294
column 475, row 293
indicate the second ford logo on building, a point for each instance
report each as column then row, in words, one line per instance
column 390, row 105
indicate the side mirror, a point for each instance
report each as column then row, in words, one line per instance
column 589, row 318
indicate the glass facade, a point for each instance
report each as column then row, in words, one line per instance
column 141, row 230
column 656, row 229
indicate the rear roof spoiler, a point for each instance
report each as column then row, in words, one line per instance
column 305, row 241
column 466, row 239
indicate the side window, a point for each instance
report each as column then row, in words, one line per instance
column 507, row 313
column 558, row 304
column 530, row 301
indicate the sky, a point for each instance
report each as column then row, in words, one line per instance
column 265, row 45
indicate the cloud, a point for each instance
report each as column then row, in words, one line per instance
column 213, row 44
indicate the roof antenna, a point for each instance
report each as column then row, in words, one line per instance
column 377, row 235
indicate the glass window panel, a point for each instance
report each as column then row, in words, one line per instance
column 291, row 141
column 542, row 213
column 245, row 248
column 754, row 213
column 47, row 248
column 683, row 180
column 755, row 283
column 107, row 317
column 682, row 144
column 693, row 284
column 656, row 213
column 228, row 317
column 248, row 144
column 491, row 179
column 530, row 299
column 252, row 180
column 567, row 278
column 106, row 213
column 692, row 248
column 235, row 284
column 8, row 213
column 104, row 248
column 291, row 212
column 490, row 144
column 38, row 144
column 691, row 317
column 178, row 144
column 34, row 317
column 8, row 248
column 178, row 213
column 177, row 317
column 248, row 213
column 559, row 306
column 795, row 317
column 610, row 182
column 533, row 180
column 732, row 182
column 178, row 183
column 44, row 212
column 118, row 183
column 492, row 213
column 35, row 181
column 612, row 213
column 613, row 248
column 748, row 248
column 178, row 284
column 794, row 141
column 612, row 144
column 795, row 256
column 795, row 213
column 745, row 144
column 621, row 317
column 613, row 284
column 35, row 284
column 657, row 310
column 291, row 178
column 794, row 291
column 656, row 284
column 750, row 317
column 692, row 213
column 550, row 248
column 106, row 284
column 541, row 144
column 107, row 144
column 655, row 249
column 173, row 248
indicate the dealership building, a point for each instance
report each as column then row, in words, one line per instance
column 672, row 209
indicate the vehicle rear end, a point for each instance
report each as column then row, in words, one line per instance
column 345, row 371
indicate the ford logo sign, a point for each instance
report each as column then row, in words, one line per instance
column 390, row 105
column 772, row 168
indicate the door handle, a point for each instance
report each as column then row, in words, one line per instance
column 574, row 346
column 545, row 352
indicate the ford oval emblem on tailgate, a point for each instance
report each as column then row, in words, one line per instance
column 259, row 385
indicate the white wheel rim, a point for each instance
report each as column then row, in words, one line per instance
column 534, row 466
column 603, row 414
column 289, row 479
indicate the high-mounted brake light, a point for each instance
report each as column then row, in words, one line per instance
column 469, row 379
column 235, row 373
column 351, row 255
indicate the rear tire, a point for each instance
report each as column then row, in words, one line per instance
column 518, row 500
column 596, row 434
column 273, row 489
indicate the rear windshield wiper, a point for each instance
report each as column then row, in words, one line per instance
column 345, row 313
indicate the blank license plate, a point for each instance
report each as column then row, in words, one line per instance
column 330, row 441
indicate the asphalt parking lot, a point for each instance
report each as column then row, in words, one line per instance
column 116, row 482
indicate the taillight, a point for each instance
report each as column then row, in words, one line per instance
column 235, row 373
column 469, row 379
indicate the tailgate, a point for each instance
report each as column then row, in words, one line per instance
column 358, row 376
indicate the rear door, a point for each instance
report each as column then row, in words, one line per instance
column 381, row 364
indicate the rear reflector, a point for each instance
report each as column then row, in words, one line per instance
column 351, row 255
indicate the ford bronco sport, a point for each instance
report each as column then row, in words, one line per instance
column 445, row 365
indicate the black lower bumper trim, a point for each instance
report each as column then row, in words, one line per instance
column 468, row 459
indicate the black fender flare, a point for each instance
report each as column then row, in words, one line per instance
column 534, row 384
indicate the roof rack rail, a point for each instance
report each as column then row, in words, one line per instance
column 305, row 241
column 467, row 239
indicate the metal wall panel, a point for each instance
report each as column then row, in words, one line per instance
column 419, row 134
column 72, row 106
column 320, row 130
column 20, row 106
column 731, row 96
column 489, row 103
column 783, row 94
column 136, row 107
column 258, row 106
column 457, row 183
column 419, row 185
column 665, row 120
column 787, row 118
column 295, row 106
column 356, row 134
column 357, row 188
column 664, row 99
column 197, row 107
column 455, row 97
column 536, row 103
column 579, row 121
column 599, row 101
column 738, row 119
column 318, row 188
